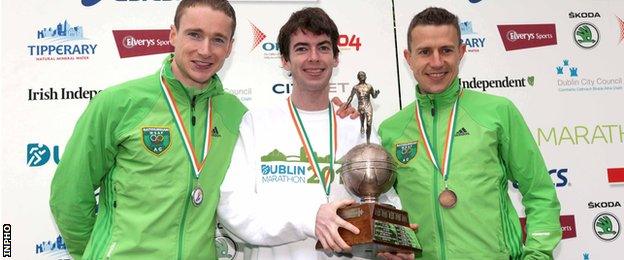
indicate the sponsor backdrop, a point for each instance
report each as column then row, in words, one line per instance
column 557, row 60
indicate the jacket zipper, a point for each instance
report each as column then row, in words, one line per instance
column 190, row 184
column 436, row 191
column 193, row 112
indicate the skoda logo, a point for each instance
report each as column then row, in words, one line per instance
column 606, row 227
column 586, row 35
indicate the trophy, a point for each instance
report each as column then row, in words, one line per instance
column 367, row 171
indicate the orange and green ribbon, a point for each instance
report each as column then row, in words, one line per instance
column 448, row 143
column 327, row 176
column 190, row 151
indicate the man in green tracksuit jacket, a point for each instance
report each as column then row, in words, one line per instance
column 157, row 148
column 456, row 152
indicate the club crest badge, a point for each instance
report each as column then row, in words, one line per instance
column 156, row 139
column 405, row 152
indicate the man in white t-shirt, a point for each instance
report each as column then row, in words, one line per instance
column 281, row 192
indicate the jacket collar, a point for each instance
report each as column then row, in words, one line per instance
column 214, row 87
column 446, row 97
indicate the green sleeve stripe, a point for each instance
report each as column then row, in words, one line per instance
column 101, row 237
column 510, row 234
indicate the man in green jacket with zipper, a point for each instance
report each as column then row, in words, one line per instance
column 456, row 151
column 157, row 148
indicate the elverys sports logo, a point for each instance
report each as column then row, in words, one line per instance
column 523, row 36
column 133, row 43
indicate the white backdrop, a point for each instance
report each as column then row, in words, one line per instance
column 579, row 126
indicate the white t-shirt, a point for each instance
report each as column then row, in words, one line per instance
column 270, row 197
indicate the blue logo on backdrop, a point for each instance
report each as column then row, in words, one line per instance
column 56, row 47
column 90, row 2
column 570, row 78
column 567, row 70
column 472, row 40
column 62, row 33
column 39, row 154
column 474, row 1
column 56, row 248
column 558, row 177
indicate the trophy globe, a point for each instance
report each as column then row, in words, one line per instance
column 367, row 171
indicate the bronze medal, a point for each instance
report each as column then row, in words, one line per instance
column 447, row 198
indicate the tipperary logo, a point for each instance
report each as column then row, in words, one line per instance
column 156, row 139
column 55, row 43
column 405, row 152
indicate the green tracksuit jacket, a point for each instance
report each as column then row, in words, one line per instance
column 145, row 209
column 492, row 146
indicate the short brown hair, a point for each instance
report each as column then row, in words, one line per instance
column 433, row 16
column 311, row 19
column 217, row 5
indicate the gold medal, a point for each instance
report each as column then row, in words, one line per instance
column 447, row 198
column 197, row 196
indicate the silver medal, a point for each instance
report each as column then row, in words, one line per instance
column 197, row 196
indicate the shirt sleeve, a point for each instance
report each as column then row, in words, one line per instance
column 253, row 217
column 88, row 156
column 524, row 164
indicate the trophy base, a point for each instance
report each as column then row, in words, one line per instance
column 370, row 250
column 382, row 229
